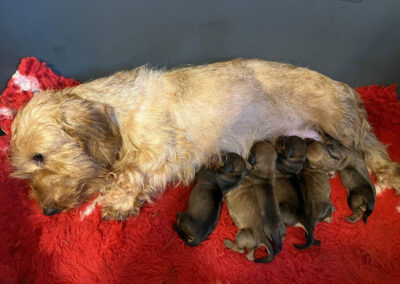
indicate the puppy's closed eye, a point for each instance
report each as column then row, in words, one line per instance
column 38, row 159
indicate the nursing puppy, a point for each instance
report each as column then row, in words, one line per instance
column 263, row 159
column 244, row 210
column 204, row 205
column 316, row 190
column 291, row 205
column 150, row 127
column 292, row 193
column 352, row 171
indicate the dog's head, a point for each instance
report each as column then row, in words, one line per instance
column 291, row 154
column 64, row 145
column 263, row 158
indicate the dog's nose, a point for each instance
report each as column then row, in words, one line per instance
column 48, row 211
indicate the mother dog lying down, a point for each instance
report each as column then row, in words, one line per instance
column 129, row 134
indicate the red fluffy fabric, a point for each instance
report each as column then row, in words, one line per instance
column 70, row 248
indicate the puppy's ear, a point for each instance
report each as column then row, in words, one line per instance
column 95, row 127
column 227, row 169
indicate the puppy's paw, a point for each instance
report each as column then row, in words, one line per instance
column 353, row 218
column 229, row 244
column 357, row 214
column 332, row 174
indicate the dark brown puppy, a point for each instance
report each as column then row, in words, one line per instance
column 352, row 170
column 291, row 205
column 289, row 202
column 316, row 190
column 263, row 159
column 243, row 208
column 291, row 154
column 204, row 205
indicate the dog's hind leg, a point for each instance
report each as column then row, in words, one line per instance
column 386, row 172
column 351, row 128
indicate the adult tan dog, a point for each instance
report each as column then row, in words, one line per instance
column 129, row 134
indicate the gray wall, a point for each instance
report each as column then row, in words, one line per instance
column 354, row 41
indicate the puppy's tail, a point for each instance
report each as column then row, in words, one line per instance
column 309, row 239
column 270, row 252
column 277, row 241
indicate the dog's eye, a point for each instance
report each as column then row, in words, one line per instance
column 38, row 158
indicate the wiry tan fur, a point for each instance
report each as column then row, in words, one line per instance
column 161, row 126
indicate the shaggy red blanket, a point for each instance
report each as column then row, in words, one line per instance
column 75, row 248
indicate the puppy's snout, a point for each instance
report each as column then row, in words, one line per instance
column 48, row 211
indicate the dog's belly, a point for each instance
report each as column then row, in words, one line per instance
column 257, row 122
column 235, row 124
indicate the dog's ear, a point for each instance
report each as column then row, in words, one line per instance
column 95, row 127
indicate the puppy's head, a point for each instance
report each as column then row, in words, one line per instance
column 291, row 154
column 263, row 158
column 324, row 157
column 233, row 169
column 65, row 146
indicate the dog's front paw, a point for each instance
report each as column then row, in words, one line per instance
column 109, row 213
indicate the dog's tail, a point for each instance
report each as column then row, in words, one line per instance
column 270, row 252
